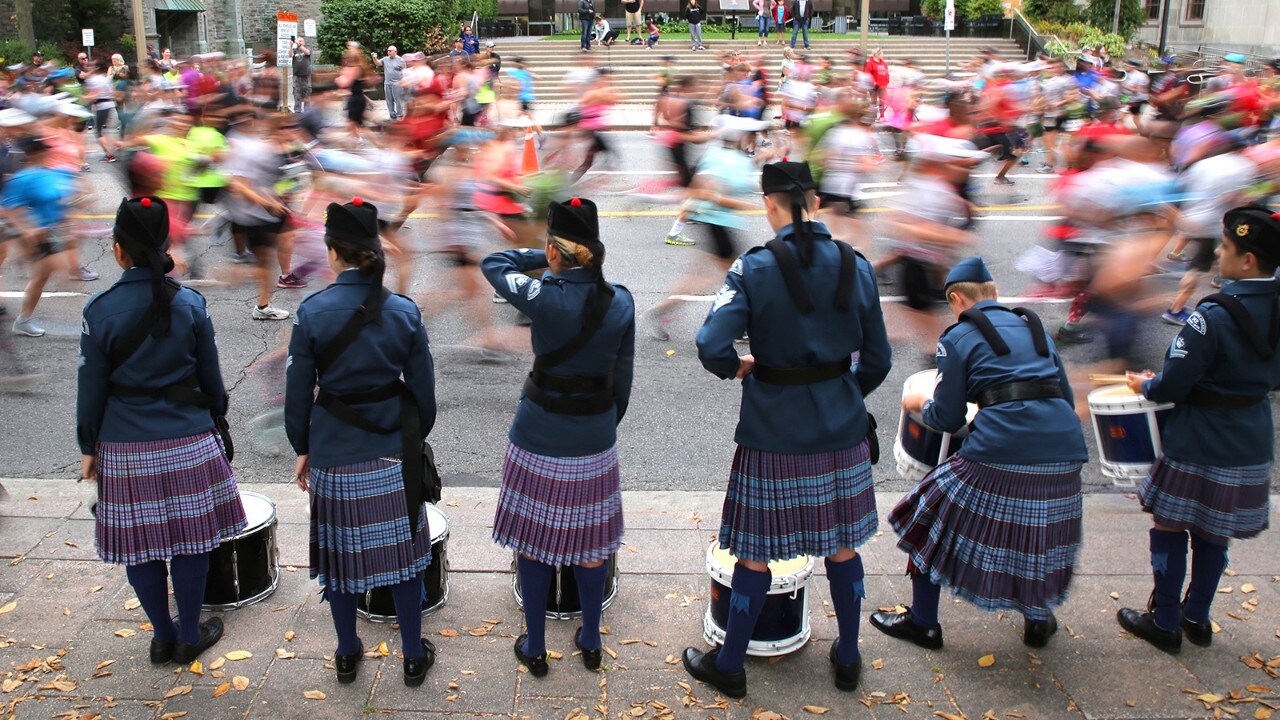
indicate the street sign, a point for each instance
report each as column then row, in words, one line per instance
column 86, row 37
column 286, row 31
column 949, row 19
column 309, row 27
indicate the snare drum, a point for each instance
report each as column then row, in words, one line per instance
column 377, row 605
column 562, row 597
column 918, row 447
column 1127, row 429
column 783, row 626
column 245, row 569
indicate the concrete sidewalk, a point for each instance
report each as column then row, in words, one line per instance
column 71, row 645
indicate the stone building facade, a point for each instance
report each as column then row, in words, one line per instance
column 1248, row 26
column 231, row 26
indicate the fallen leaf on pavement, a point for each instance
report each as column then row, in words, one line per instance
column 132, row 604
column 285, row 654
column 449, row 632
column 1248, row 588
column 816, row 709
column 179, row 690
column 217, row 663
column 238, row 655
column 173, row 715
column 554, row 655
column 1115, row 596
column 240, row 683
column 222, row 689
column 290, row 635
column 314, row 695
column 126, row 632
column 8, row 607
column 986, row 661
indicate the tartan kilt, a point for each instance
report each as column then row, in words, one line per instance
column 360, row 538
column 1003, row 537
column 160, row 498
column 779, row 505
column 560, row 510
column 1221, row 504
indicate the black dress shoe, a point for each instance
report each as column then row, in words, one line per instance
column 161, row 652
column 1143, row 624
column 1037, row 634
column 210, row 633
column 1198, row 633
column 903, row 627
column 846, row 675
column 702, row 666
column 590, row 658
column 415, row 669
column 537, row 665
column 348, row 665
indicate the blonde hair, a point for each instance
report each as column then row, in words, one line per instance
column 973, row 291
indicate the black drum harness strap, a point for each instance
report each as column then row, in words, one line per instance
column 416, row 454
column 1264, row 347
column 1022, row 389
column 597, row 388
column 183, row 391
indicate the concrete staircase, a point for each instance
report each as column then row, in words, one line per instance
column 634, row 66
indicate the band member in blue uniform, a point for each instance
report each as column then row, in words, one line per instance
column 801, row 477
column 1212, row 481
column 560, row 502
column 149, row 398
column 359, row 439
column 999, row 522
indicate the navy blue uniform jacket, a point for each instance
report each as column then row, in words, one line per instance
column 109, row 319
column 1211, row 352
column 554, row 304
column 824, row 416
column 1025, row 432
column 380, row 355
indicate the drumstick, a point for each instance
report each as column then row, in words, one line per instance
column 1104, row 378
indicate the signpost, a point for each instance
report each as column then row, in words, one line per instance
column 309, row 27
column 733, row 6
column 949, row 24
column 86, row 39
column 286, row 31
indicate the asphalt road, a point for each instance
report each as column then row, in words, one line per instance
column 678, row 432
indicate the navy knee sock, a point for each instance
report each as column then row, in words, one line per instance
column 535, row 583
column 407, row 597
column 591, row 584
column 749, row 590
column 150, row 581
column 1208, row 560
column 342, row 606
column 925, row 594
column 1169, row 569
column 846, row 596
column 190, row 572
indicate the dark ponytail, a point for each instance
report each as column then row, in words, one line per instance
column 366, row 262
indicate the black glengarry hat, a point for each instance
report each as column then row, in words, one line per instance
column 142, row 229
column 576, row 221
column 1254, row 229
column 796, row 179
column 356, row 224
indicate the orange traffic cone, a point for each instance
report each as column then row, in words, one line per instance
column 529, row 164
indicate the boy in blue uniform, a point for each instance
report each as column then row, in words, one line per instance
column 805, row 440
column 1213, row 478
column 1000, row 521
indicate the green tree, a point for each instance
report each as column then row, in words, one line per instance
column 1102, row 12
column 1055, row 11
column 410, row 25
column 62, row 20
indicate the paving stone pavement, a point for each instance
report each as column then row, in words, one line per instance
column 73, row 644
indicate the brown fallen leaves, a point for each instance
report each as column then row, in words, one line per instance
column 176, row 691
column 314, row 695
column 238, row 655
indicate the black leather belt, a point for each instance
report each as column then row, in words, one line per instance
column 806, row 375
column 1022, row 390
column 183, row 391
column 598, row 391
column 1202, row 397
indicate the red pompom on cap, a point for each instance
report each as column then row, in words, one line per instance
column 146, row 202
column 357, row 201
column 1275, row 216
column 785, row 158
column 576, row 202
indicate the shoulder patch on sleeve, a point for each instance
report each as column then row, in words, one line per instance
column 535, row 287
column 1196, row 322
column 515, row 281
column 1179, row 347
column 724, row 297
column 736, row 267
column 84, row 325
column 941, row 352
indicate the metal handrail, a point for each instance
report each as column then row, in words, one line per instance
column 1031, row 30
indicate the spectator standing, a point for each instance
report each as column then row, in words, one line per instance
column 392, row 73
column 301, row 73
column 458, row 50
column 166, row 61
column 879, row 71
column 778, row 9
column 634, row 10
column 762, row 22
column 470, row 42
column 586, row 18
column 801, row 12
column 695, row 15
